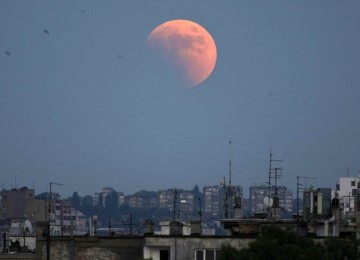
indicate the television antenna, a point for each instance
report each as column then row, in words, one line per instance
column 299, row 187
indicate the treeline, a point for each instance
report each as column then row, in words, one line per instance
column 108, row 210
column 275, row 243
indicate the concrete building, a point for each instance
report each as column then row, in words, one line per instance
column 347, row 194
column 261, row 199
column 134, row 201
column 257, row 195
column 100, row 197
column 188, row 247
column 66, row 220
column 182, row 200
column 186, row 204
column 121, row 198
column 317, row 203
column 13, row 202
column 175, row 245
column 166, row 199
column 20, row 212
column 145, row 200
column 213, row 201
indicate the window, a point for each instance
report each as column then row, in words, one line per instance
column 210, row 255
column 207, row 254
column 164, row 254
column 353, row 183
column 199, row 255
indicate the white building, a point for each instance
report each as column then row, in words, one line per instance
column 66, row 220
column 347, row 193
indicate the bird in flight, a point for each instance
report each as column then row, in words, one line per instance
column 8, row 53
column 46, row 31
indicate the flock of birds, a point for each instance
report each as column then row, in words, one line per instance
column 8, row 53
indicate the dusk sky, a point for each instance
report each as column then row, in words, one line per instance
column 84, row 102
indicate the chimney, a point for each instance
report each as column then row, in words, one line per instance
column 195, row 227
column 176, row 228
column 149, row 228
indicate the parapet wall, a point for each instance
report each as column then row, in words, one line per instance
column 91, row 248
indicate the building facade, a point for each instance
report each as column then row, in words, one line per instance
column 347, row 194
column 261, row 198
column 213, row 201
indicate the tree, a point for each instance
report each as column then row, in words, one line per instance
column 276, row 243
column 88, row 201
column 75, row 200
column 45, row 196
column 196, row 192
column 111, row 202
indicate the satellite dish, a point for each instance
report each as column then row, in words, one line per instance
column 27, row 227
column 268, row 201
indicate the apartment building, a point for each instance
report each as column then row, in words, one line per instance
column 347, row 193
column 66, row 220
column 261, row 198
column 213, row 201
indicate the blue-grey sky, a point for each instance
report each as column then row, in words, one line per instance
column 83, row 102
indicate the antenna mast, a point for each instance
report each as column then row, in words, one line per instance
column 271, row 170
column 230, row 197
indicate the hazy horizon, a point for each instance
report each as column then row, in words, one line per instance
column 85, row 103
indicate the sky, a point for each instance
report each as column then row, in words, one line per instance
column 85, row 103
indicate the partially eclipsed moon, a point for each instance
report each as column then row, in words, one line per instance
column 188, row 46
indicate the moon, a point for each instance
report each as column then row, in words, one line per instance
column 188, row 47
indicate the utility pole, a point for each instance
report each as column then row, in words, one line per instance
column 200, row 212
column 49, row 219
column 130, row 224
column 271, row 170
column 109, row 226
column 174, row 206
column 278, row 174
column 226, row 207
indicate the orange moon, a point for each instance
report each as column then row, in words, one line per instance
column 188, row 47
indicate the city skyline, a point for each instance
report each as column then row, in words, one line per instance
column 84, row 102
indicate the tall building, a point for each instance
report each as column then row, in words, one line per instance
column 347, row 193
column 166, row 199
column 13, row 202
column 257, row 195
column 213, row 201
column 66, row 220
column 99, row 198
column 186, row 203
column 121, row 198
column 142, row 199
column 261, row 198
column 134, row 201
column 182, row 200
column 317, row 203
